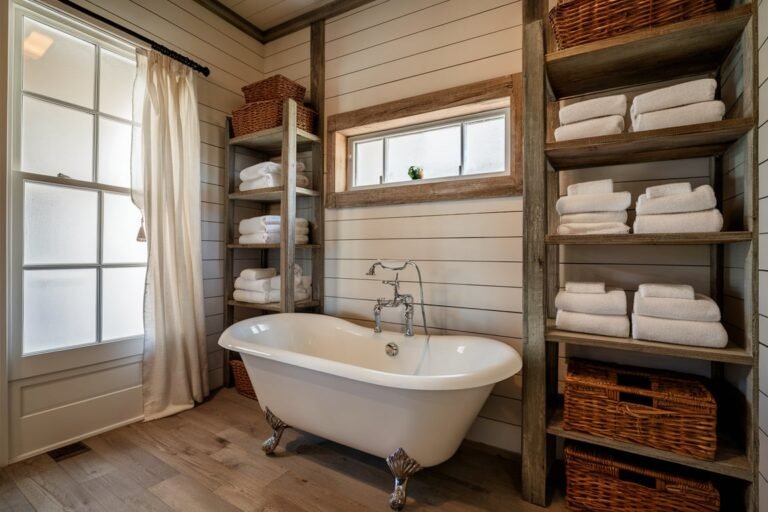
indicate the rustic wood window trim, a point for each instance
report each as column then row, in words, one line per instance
column 444, row 104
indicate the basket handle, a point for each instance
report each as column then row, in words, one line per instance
column 644, row 413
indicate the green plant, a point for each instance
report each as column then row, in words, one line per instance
column 415, row 172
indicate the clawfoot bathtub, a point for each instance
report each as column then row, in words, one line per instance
column 410, row 400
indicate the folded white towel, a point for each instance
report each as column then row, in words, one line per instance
column 306, row 282
column 603, row 325
column 598, row 127
column 708, row 221
column 584, row 287
column 701, row 309
column 613, row 302
column 590, row 203
column 265, row 168
column 593, row 228
column 258, row 224
column 592, row 217
column 271, row 180
column 695, row 91
column 299, row 294
column 702, row 198
column 666, row 291
column 669, row 189
column 271, row 228
column 253, row 274
column 258, row 285
column 274, row 283
column 268, row 238
column 697, row 113
column 590, row 109
column 251, row 297
column 680, row 332
column 591, row 187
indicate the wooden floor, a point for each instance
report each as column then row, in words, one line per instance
column 209, row 459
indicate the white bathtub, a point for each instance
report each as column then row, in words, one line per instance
column 334, row 379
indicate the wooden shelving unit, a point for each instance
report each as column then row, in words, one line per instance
column 712, row 45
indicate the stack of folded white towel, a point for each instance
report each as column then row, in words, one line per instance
column 592, row 118
column 675, row 208
column 675, row 314
column 266, row 230
column 592, row 308
column 262, row 286
column 269, row 174
column 593, row 208
column 678, row 105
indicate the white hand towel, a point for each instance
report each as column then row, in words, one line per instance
column 593, row 228
column 680, row 332
column 696, row 91
column 253, row 274
column 603, row 325
column 709, row 221
column 670, row 189
column 591, row 187
column 271, row 180
column 591, row 128
column 614, row 302
column 268, row 238
column 701, row 309
column 590, row 109
column 252, row 297
column 666, row 291
column 584, row 287
column 697, row 113
column 583, row 218
column 702, row 198
column 258, row 285
column 265, row 168
column 590, row 203
column 257, row 224
column 298, row 295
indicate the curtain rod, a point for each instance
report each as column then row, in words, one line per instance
column 153, row 44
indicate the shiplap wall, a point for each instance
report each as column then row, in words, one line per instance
column 469, row 251
column 762, row 29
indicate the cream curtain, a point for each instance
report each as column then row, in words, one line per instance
column 165, row 181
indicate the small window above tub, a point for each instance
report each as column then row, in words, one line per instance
column 459, row 143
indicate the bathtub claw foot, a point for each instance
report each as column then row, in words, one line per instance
column 402, row 467
column 278, row 427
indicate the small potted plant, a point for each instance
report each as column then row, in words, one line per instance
column 415, row 172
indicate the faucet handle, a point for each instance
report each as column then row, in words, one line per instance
column 395, row 283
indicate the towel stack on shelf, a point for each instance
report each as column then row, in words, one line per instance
column 675, row 208
column 675, row 314
column 266, row 230
column 593, row 208
column 592, row 118
column 592, row 308
column 262, row 286
column 678, row 105
column 269, row 174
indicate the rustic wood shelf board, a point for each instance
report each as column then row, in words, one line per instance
column 271, row 246
column 729, row 461
column 270, row 195
column 723, row 237
column 692, row 47
column 271, row 141
column 692, row 141
column 273, row 306
column 730, row 354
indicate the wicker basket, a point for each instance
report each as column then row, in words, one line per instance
column 276, row 87
column 576, row 22
column 662, row 410
column 264, row 115
column 598, row 482
column 242, row 380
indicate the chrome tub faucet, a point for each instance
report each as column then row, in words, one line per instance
column 399, row 299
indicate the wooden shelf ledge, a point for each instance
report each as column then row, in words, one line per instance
column 692, row 47
column 271, row 141
column 270, row 195
column 273, row 306
column 722, row 237
column 271, row 246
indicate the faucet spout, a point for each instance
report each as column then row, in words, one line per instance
column 377, row 317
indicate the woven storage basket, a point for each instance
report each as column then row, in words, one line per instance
column 242, row 380
column 274, row 88
column 576, row 22
column 263, row 115
column 662, row 410
column 598, row 482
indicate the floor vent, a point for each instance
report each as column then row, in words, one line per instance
column 71, row 450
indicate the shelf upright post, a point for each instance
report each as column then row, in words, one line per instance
column 288, row 209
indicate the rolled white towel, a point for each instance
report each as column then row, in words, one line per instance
column 253, row 274
column 701, row 309
column 271, row 180
column 251, row 297
column 695, row 91
column 593, row 228
column 264, row 168
column 268, row 238
column 666, row 291
column 584, row 287
column 598, row 127
column 702, row 198
column 679, row 332
column 590, row 109
column 707, row 112
column 669, row 189
column 613, row 302
column 709, row 221
column 258, row 285
column 582, row 218
column 257, row 224
column 589, row 203
column 591, row 187
column 603, row 325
